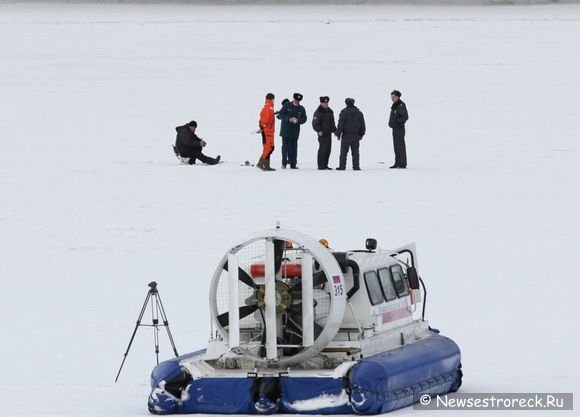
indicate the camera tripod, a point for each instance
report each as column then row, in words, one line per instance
column 157, row 310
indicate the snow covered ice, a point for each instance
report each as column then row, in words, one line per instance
column 94, row 205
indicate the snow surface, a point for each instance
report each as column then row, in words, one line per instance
column 319, row 403
column 93, row 203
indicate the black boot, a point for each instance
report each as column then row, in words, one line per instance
column 267, row 166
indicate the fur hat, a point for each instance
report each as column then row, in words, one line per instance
column 193, row 123
column 297, row 96
column 349, row 101
column 324, row 99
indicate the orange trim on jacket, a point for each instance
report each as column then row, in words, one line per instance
column 268, row 127
column 267, row 118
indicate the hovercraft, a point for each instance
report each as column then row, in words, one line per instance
column 299, row 328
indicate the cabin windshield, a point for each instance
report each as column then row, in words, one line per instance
column 387, row 285
column 373, row 287
column 399, row 280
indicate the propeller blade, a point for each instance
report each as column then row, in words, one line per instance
column 279, row 246
column 317, row 330
column 247, row 279
column 318, row 279
column 245, row 311
column 296, row 320
column 244, row 277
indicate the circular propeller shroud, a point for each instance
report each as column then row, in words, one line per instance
column 331, row 273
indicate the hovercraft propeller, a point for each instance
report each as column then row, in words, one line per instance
column 272, row 283
column 244, row 277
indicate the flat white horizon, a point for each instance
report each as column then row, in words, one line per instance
column 93, row 205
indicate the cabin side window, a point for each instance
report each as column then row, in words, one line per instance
column 387, row 285
column 373, row 287
column 399, row 280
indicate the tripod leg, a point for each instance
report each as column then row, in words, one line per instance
column 166, row 324
column 134, row 333
column 155, row 321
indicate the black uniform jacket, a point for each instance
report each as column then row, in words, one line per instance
column 323, row 121
column 289, row 110
column 398, row 115
column 351, row 124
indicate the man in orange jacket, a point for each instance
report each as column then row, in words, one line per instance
column 267, row 128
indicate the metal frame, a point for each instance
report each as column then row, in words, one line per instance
column 337, row 306
column 307, row 304
column 270, row 300
column 234, row 312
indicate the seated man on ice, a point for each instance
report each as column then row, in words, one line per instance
column 188, row 145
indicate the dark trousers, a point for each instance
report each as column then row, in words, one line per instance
column 289, row 151
column 399, row 146
column 345, row 145
column 194, row 155
column 324, row 147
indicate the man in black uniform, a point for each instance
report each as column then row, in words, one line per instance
column 292, row 115
column 351, row 129
column 324, row 126
column 397, row 120
column 189, row 145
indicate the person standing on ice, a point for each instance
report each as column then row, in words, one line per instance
column 189, row 145
column 323, row 124
column 267, row 128
column 351, row 129
column 397, row 120
column 283, row 103
column 292, row 115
